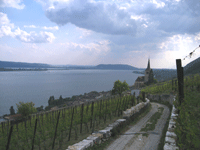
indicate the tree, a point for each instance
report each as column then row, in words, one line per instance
column 26, row 108
column 12, row 111
column 40, row 108
column 119, row 87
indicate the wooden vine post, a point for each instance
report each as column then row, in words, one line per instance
column 56, row 130
column 100, row 111
column 9, row 137
column 34, row 134
column 105, row 112
column 71, row 124
column 82, row 107
column 92, row 109
column 133, row 98
column 180, row 80
column 117, row 106
column 143, row 96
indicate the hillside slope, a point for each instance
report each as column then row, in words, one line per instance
column 193, row 67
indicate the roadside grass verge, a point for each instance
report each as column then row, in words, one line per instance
column 162, row 139
column 151, row 123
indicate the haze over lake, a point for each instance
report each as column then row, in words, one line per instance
column 38, row 86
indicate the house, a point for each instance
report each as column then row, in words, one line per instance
column 13, row 117
column 139, row 82
column 146, row 79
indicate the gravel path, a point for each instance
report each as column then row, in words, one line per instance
column 132, row 141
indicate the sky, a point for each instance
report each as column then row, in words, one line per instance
column 92, row 32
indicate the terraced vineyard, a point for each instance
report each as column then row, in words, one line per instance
column 58, row 129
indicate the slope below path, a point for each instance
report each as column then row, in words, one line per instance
column 133, row 138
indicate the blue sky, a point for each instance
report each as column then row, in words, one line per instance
column 92, row 32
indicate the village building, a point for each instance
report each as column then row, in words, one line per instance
column 146, row 79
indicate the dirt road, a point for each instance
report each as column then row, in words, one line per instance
column 133, row 138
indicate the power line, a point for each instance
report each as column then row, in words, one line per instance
column 191, row 53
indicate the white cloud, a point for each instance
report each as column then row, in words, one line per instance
column 50, row 28
column 4, row 19
column 8, row 29
column 178, row 47
column 158, row 4
column 32, row 37
column 197, row 37
column 30, row 26
column 12, row 3
column 84, row 32
column 45, row 27
column 100, row 47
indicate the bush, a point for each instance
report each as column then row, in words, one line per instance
column 26, row 108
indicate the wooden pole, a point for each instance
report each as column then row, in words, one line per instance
column 9, row 138
column 82, row 107
column 117, row 106
column 92, row 109
column 71, row 124
column 180, row 80
column 133, row 98
column 143, row 96
column 56, row 130
column 105, row 112
column 34, row 134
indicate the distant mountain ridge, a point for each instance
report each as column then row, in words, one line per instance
column 115, row 67
column 8, row 64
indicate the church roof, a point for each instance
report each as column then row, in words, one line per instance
column 140, row 79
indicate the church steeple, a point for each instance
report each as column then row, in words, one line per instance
column 148, row 65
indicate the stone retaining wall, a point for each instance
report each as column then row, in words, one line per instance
column 163, row 97
column 97, row 137
column 170, row 138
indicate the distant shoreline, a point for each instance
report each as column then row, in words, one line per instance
column 105, row 94
column 20, row 69
column 26, row 69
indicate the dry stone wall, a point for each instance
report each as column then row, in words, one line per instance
column 170, row 139
column 99, row 136
column 163, row 97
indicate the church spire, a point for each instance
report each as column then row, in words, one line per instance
column 148, row 66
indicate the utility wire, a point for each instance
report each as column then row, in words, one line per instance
column 191, row 53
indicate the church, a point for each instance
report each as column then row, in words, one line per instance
column 147, row 79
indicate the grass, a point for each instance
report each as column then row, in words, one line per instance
column 151, row 123
column 162, row 139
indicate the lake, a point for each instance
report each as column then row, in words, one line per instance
column 38, row 86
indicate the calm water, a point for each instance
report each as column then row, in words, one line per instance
column 38, row 86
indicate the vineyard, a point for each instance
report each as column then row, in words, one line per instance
column 188, row 122
column 61, row 128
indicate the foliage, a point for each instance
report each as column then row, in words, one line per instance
column 26, row 108
column 119, row 87
column 187, row 127
column 188, row 122
column 12, row 111
column 40, row 108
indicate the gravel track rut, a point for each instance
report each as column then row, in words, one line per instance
column 131, row 141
